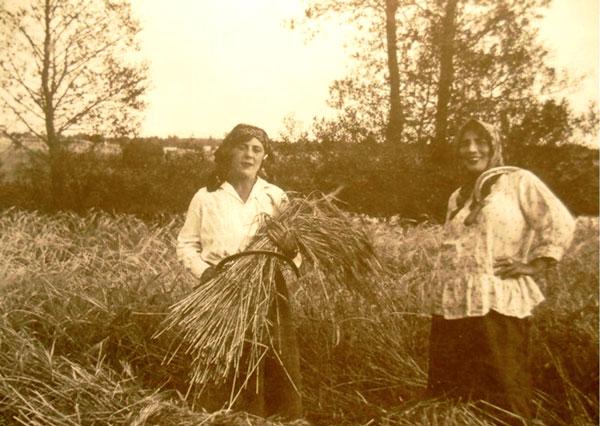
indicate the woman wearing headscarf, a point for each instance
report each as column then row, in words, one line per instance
column 221, row 221
column 503, row 227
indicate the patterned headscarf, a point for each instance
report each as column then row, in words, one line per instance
column 239, row 134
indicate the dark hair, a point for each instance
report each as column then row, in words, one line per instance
column 239, row 134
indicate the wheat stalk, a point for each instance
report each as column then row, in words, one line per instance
column 224, row 324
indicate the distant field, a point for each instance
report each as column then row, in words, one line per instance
column 82, row 296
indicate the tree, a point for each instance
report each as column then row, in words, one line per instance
column 499, row 65
column 384, row 11
column 446, row 76
column 457, row 58
column 395, row 120
column 71, row 65
column 550, row 123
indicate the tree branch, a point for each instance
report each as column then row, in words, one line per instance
column 19, row 79
column 36, row 51
column 489, row 26
column 23, row 120
column 24, row 105
column 80, row 68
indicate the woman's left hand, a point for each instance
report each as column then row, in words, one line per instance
column 506, row 267
column 284, row 239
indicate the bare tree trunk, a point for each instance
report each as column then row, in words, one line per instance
column 396, row 119
column 445, row 179
column 446, row 72
column 56, row 171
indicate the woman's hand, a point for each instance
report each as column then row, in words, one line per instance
column 506, row 267
column 208, row 274
column 284, row 239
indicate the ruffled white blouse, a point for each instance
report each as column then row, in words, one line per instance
column 521, row 219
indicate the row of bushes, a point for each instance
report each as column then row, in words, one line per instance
column 408, row 180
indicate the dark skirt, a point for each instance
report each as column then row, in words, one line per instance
column 482, row 358
column 275, row 389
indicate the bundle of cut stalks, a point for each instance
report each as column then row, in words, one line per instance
column 224, row 323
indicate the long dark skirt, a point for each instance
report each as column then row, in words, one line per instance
column 482, row 358
column 275, row 389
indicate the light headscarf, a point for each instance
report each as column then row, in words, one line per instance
column 490, row 133
column 478, row 189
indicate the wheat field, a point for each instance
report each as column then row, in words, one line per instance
column 82, row 299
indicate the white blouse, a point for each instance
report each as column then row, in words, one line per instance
column 521, row 219
column 219, row 223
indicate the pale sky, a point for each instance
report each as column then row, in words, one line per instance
column 215, row 63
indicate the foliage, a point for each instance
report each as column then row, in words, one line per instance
column 372, row 178
column 70, row 64
column 552, row 123
column 64, row 61
column 145, row 185
column 494, row 68
column 82, row 297
column 139, row 154
column 386, row 116
column 380, row 180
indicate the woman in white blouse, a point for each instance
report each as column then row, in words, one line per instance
column 221, row 220
column 503, row 227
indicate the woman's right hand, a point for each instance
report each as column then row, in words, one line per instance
column 506, row 267
column 208, row 274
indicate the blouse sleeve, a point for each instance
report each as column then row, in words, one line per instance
column 189, row 243
column 546, row 214
column 280, row 200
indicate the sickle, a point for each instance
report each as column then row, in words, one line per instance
column 235, row 256
column 490, row 173
column 478, row 202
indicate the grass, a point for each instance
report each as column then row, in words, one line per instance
column 82, row 297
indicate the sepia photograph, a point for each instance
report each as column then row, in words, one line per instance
column 299, row 212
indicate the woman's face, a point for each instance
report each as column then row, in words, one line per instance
column 246, row 159
column 474, row 151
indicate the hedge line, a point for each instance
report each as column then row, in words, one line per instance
column 406, row 180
